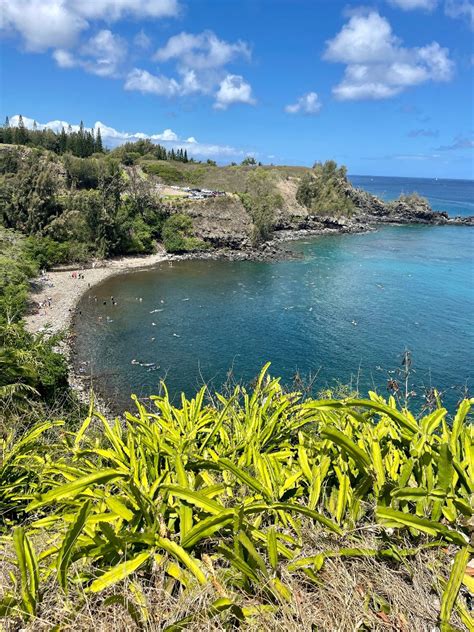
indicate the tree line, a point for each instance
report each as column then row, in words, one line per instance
column 130, row 152
column 82, row 143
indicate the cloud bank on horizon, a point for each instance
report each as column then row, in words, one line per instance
column 113, row 138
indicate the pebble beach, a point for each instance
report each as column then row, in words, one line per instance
column 55, row 293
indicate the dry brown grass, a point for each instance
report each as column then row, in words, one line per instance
column 356, row 594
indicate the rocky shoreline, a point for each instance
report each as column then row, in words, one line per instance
column 58, row 292
column 65, row 291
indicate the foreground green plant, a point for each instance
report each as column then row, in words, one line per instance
column 225, row 494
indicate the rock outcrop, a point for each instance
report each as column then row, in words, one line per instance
column 225, row 223
column 222, row 221
column 411, row 209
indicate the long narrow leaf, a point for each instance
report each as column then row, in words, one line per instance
column 119, row 572
column 65, row 552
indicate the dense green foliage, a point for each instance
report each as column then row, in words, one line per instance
column 261, row 200
column 222, row 495
column 88, row 206
column 177, row 235
column 413, row 199
column 323, row 190
column 169, row 174
column 130, row 153
column 30, row 369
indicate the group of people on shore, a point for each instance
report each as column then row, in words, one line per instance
column 48, row 302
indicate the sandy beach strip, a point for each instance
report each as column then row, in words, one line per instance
column 58, row 292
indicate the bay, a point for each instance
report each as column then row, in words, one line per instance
column 346, row 312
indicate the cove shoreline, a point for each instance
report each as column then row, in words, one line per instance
column 67, row 291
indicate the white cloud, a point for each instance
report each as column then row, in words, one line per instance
column 200, row 62
column 161, row 85
column 118, row 9
column 102, row 55
column 113, row 138
column 167, row 135
column 200, row 59
column 44, row 24
column 408, row 5
column 364, row 39
column 233, row 89
column 145, row 82
column 64, row 58
column 460, row 9
column 201, row 51
column 378, row 66
column 307, row 104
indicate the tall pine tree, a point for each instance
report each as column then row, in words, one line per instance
column 62, row 141
column 98, row 141
column 7, row 131
column 21, row 133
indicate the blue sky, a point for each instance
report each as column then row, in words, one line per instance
column 385, row 87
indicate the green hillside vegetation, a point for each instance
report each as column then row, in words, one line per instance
column 98, row 203
column 260, row 511
column 33, row 376
column 97, row 206
column 91, row 205
column 261, row 200
column 323, row 190
column 178, row 235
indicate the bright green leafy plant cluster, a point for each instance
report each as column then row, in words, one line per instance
column 222, row 495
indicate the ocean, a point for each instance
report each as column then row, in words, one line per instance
column 343, row 314
column 456, row 197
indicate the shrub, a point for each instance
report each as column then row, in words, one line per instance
column 323, row 190
column 82, row 173
column 260, row 200
column 177, row 235
column 46, row 251
column 413, row 199
column 130, row 158
column 169, row 174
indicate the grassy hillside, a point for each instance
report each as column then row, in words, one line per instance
column 229, row 178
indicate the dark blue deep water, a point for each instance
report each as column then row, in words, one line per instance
column 456, row 197
column 347, row 311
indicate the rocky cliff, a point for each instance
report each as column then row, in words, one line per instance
column 225, row 223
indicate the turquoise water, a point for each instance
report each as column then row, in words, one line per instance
column 351, row 306
column 346, row 311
